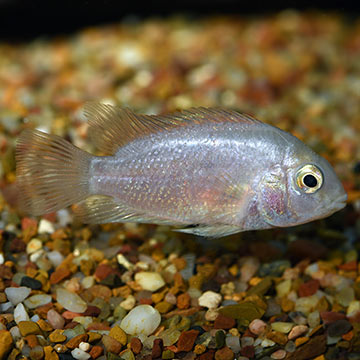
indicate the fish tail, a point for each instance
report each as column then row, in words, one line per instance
column 51, row 173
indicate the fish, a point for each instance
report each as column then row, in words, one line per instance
column 211, row 172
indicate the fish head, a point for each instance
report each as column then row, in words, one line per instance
column 300, row 192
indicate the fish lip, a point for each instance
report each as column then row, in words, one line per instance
column 339, row 203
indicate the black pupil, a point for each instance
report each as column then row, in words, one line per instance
column 310, row 181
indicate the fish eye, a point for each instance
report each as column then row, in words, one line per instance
column 309, row 179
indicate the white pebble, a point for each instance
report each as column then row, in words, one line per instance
column 149, row 280
column 45, row 226
column 33, row 246
column 15, row 333
column 34, row 257
column 37, row 300
column 20, row 313
column 55, row 257
column 210, row 299
column 80, row 354
column 70, row 301
column 4, row 307
column 211, row 314
column 143, row 319
column 17, row 295
column 2, row 258
column 87, row 282
column 122, row 260
column 128, row 303
column 84, row 346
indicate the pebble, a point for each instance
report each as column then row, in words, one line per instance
column 118, row 334
column 224, row 354
column 187, row 340
column 339, row 327
column 17, row 294
column 297, row 331
column 278, row 354
column 224, row 322
column 38, row 300
column 283, row 327
column 136, row 345
column 33, row 246
column 29, row 328
column 6, row 343
column 45, row 227
column 111, row 345
column 257, row 326
column 31, row 283
column 246, row 310
column 143, row 319
column 55, row 319
column 150, row 281
column 80, row 354
column 70, row 301
column 210, row 299
column 233, row 342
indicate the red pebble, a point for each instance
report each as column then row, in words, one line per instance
column 186, row 340
column 224, row 322
column 157, row 348
column 248, row 351
column 349, row 266
column 309, row 288
column 103, row 271
column 329, row 317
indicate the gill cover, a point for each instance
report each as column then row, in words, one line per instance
column 274, row 198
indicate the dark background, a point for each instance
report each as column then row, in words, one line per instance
column 26, row 19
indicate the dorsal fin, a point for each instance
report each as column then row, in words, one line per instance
column 112, row 127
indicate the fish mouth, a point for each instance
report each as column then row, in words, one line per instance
column 339, row 203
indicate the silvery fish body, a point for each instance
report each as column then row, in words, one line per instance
column 211, row 172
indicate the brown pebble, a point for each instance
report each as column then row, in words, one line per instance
column 103, row 271
column 329, row 317
column 60, row 274
column 93, row 337
column 209, row 355
column 96, row 351
column 224, row 354
column 183, row 301
column 97, row 326
column 75, row 341
column 32, row 341
column 309, row 288
column 111, row 345
column 101, row 291
column 57, row 336
column 29, row 328
column 248, row 351
column 224, row 322
column 157, row 348
column 314, row 347
column 277, row 337
column 136, row 345
column 50, row 353
column 118, row 334
column 187, row 339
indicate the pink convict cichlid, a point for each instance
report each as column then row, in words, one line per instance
column 212, row 172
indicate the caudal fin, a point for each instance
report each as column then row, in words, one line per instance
column 51, row 173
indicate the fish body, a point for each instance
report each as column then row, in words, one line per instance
column 212, row 172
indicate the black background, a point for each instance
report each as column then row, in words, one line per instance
column 26, row 19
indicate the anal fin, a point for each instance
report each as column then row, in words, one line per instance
column 211, row 231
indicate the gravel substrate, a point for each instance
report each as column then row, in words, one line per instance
column 132, row 291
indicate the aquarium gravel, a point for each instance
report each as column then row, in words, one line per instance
column 131, row 291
